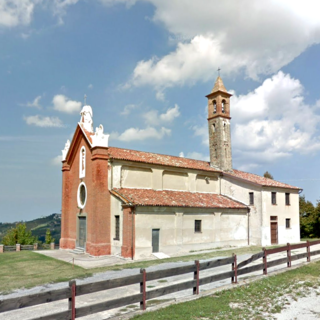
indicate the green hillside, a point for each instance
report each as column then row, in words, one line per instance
column 38, row 227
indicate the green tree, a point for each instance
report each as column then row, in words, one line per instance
column 49, row 238
column 268, row 175
column 307, row 217
column 20, row 235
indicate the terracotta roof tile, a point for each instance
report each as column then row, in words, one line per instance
column 155, row 158
column 259, row 180
column 168, row 198
column 161, row 159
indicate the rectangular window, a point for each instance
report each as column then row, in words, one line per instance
column 274, row 218
column 197, row 225
column 117, row 226
column 287, row 199
column 288, row 225
column 251, row 198
column 273, row 198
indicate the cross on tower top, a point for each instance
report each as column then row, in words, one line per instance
column 219, row 72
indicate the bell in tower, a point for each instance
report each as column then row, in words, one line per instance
column 219, row 127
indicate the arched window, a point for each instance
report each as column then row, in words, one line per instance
column 82, row 163
column 223, row 106
column 214, row 106
column 213, row 127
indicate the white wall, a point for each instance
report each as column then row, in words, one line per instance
column 177, row 229
column 282, row 212
column 239, row 190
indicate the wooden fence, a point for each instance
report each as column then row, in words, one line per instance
column 36, row 246
column 143, row 277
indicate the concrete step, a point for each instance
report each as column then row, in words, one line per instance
column 78, row 250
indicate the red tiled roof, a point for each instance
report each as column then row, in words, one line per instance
column 259, row 180
column 168, row 198
column 161, row 159
column 155, row 158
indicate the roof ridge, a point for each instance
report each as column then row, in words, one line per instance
column 161, row 154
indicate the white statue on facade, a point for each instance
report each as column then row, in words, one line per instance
column 87, row 118
column 65, row 150
column 99, row 138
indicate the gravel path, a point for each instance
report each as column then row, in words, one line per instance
column 306, row 308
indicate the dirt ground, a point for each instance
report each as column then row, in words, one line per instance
column 305, row 308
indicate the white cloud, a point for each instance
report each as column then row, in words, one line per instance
column 34, row 104
column 273, row 122
column 59, row 8
column 198, row 156
column 258, row 37
column 44, row 122
column 63, row 104
column 128, row 3
column 56, row 161
column 141, row 134
column 127, row 109
column 16, row 12
column 202, row 132
column 20, row 12
column 90, row 86
column 153, row 118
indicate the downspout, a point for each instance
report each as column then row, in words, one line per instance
column 111, row 163
column 248, row 226
column 132, row 238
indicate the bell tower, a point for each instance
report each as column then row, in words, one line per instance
column 219, row 127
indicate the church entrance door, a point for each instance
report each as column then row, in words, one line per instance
column 82, row 231
column 155, row 240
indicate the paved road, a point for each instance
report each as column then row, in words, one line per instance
column 53, row 307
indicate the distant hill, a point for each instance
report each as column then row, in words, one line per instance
column 38, row 227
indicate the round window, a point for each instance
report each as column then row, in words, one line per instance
column 82, row 195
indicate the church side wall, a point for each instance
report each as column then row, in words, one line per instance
column 240, row 190
column 177, row 229
column 131, row 175
column 282, row 212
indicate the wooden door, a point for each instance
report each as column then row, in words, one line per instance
column 274, row 232
column 155, row 240
column 82, row 231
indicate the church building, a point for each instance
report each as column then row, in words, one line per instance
column 131, row 203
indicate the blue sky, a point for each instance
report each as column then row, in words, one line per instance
column 146, row 67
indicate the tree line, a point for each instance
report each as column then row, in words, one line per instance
column 309, row 218
column 19, row 234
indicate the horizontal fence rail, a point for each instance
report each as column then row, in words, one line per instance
column 31, row 247
column 140, row 279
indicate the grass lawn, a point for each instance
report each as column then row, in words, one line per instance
column 27, row 269
column 258, row 300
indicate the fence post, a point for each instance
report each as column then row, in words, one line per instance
column 35, row 246
column 52, row 246
column 18, row 247
column 196, row 277
column 143, row 289
column 265, row 269
column 308, row 251
column 289, row 255
column 72, row 299
column 1, row 248
column 234, row 279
